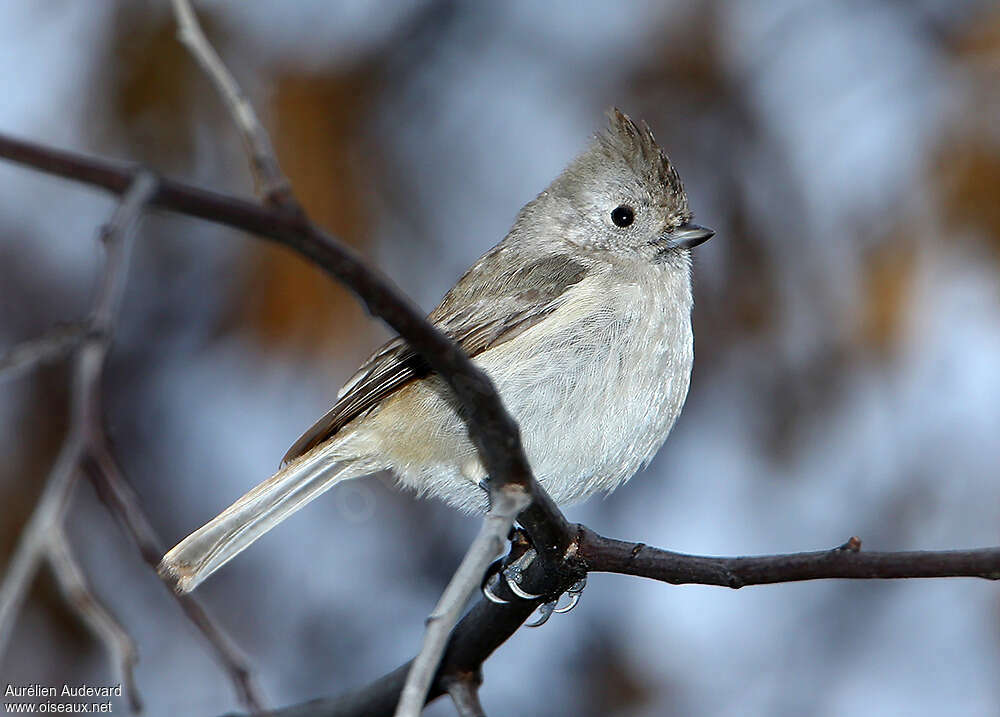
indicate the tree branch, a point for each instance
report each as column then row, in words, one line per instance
column 32, row 545
column 96, row 614
column 487, row 546
column 464, row 691
column 276, row 190
column 487, row 625
column 271, row 183
column 86, row 446
column 118, row 495
column 54, row 344
column 846, row 562
column 36, row 541
column 492, row 430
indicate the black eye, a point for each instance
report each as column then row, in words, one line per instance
column 622, row 216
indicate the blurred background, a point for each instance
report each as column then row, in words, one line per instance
column 847, row 322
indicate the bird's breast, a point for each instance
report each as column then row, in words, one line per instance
column 597, row 386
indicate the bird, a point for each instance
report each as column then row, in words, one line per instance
column 581, row 317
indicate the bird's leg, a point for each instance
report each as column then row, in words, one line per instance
column 546, row 609
column 517, row 561
column 514, row 573
column 573, row 593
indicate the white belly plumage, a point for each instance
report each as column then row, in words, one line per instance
column 572, row 391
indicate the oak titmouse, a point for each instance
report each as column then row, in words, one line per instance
column 581, row 316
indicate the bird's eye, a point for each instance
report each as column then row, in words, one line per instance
column 622, row 216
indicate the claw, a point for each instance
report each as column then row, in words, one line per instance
column 492, row 596
column 514, row 588
column 490, row 580
column 573, row 600
column 545, row 611
column 574, row 592
column 514, row 573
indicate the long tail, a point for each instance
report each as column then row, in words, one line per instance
column 232, row 531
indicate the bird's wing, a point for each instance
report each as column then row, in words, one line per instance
column 497, row 299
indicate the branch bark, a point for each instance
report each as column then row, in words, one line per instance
column 117, row 494
column 95, row 613
column 271, row 182
column 847, row 561
column 51, row 346
column 487, row 546
column 464, row 691
column 37, row 540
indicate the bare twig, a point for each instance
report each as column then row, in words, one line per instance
column 35, row 541
column 104, row 472
column 483, row 629
column 487, row 546
column 488, row 625
column 464, row 691
column 53, row 344
column 271, row 183
column 492, row 430
column 32, row 544
column 86, row 445
column 96, row 614
column 845, row 562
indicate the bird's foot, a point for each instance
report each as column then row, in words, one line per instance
column 513, row 574
column 546, row 609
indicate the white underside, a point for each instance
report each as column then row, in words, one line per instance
column 595, row 389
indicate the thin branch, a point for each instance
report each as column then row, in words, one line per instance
column 271, row 183
column 52, row 345
column 478, row 634
column 96, row 614
column 86, row 444
column 487, row 625
column 491, row 429
column 494, row 433
column 117, row 494
column 511, row 490
column 845, row 562
column 35, row 542
column 464, row 692
column 487, row 546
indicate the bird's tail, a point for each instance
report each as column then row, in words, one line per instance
column 225, row 536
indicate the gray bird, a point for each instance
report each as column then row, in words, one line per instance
column 581, row 316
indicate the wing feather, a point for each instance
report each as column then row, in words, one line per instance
column 488, row 306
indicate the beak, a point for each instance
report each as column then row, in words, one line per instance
column 687, row 236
